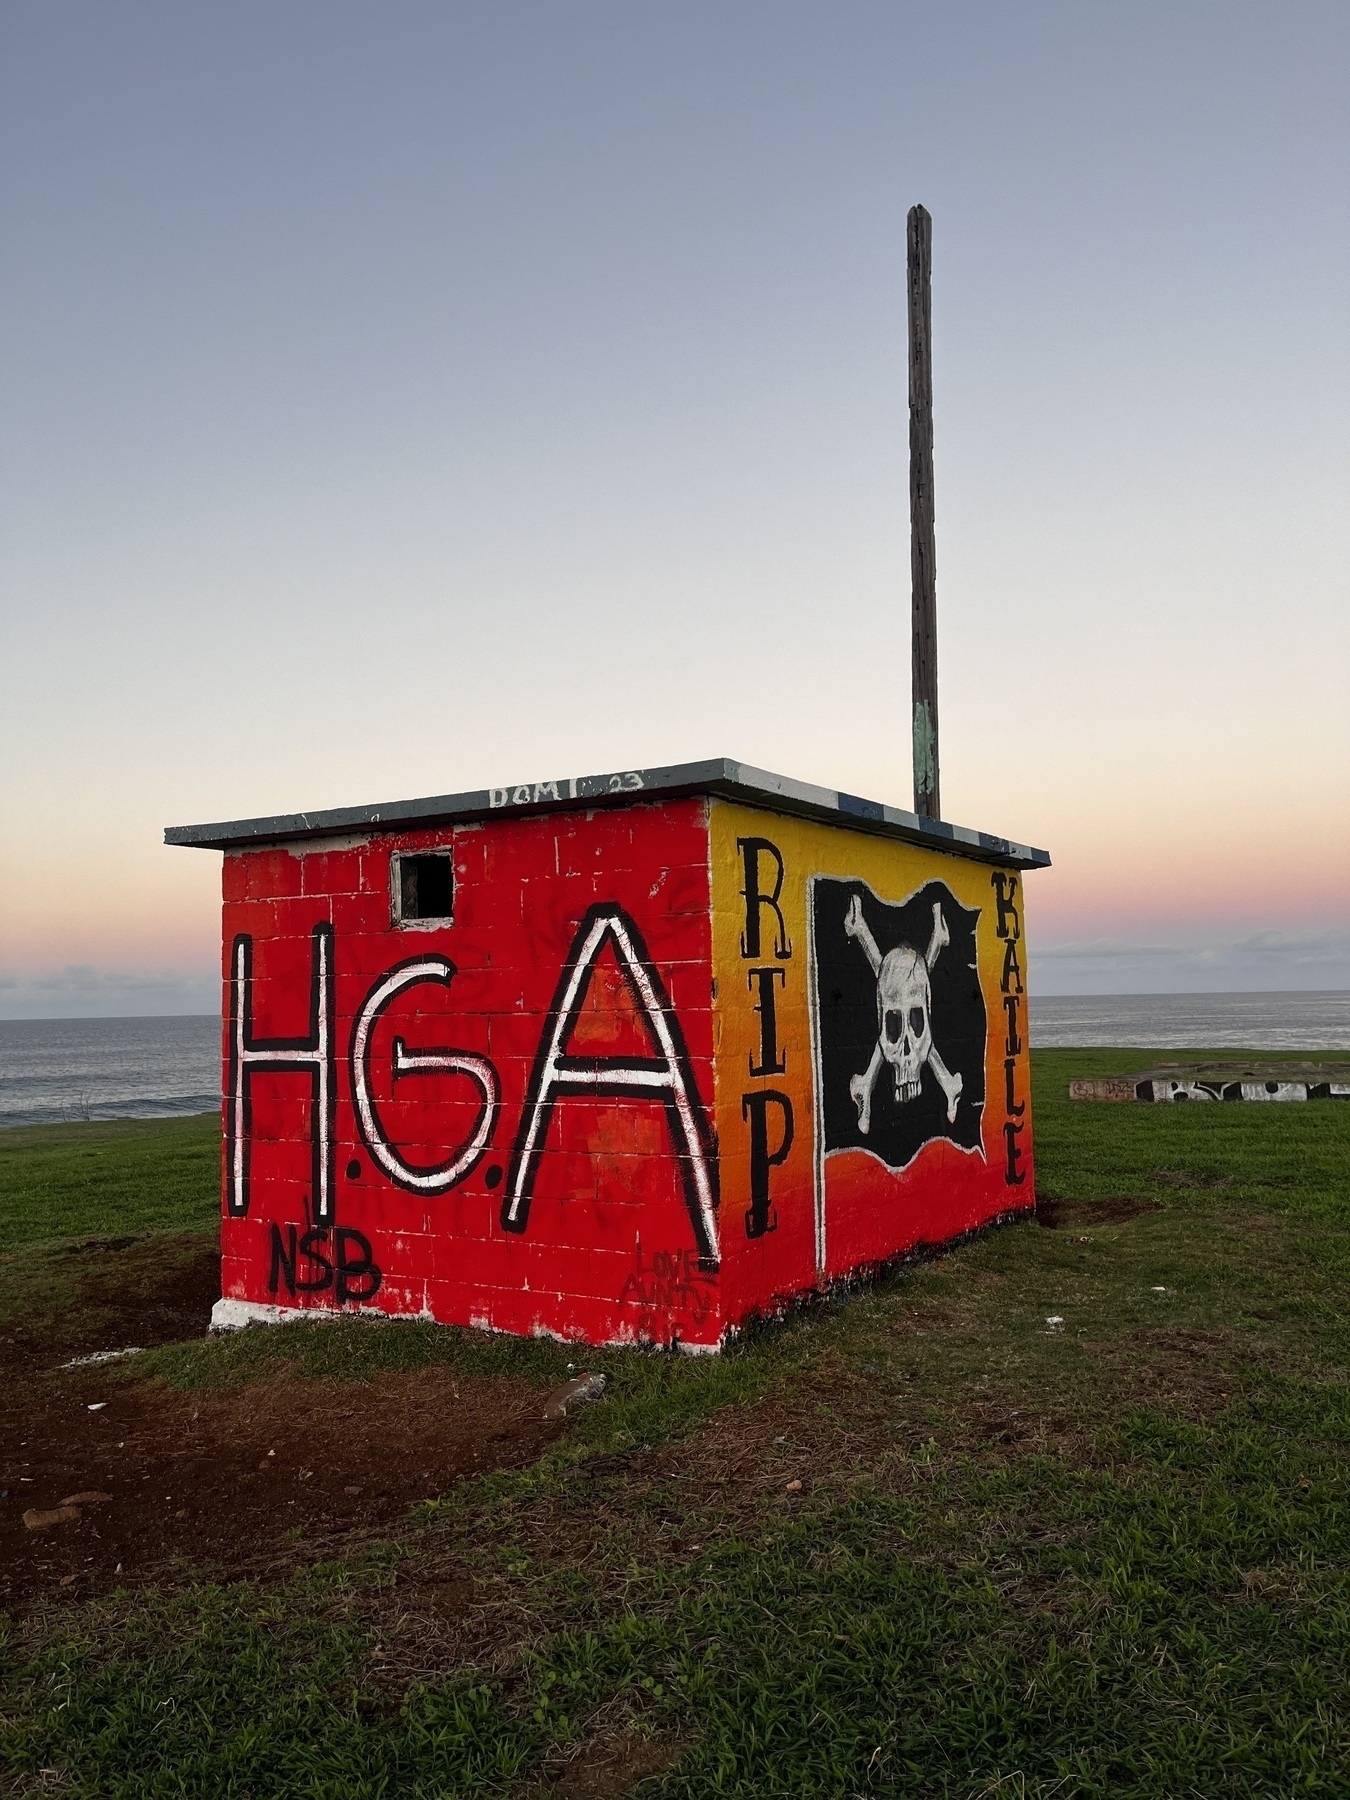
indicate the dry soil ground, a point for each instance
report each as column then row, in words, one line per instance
column 236, row 1480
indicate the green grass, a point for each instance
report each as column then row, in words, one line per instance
column 1110, row 1557
column 71, row 1181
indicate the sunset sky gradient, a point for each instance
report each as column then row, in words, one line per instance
column 405, row 399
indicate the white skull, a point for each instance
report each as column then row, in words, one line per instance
column 904, row 1018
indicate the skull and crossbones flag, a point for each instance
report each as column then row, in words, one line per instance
column 900, row 1019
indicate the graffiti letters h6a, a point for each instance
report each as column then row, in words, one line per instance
column 666, row 1076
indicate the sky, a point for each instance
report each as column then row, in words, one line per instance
column 408, row 398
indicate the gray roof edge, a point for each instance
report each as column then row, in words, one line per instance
column 719, row 775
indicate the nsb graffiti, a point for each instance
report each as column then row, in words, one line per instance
column 335, row 1257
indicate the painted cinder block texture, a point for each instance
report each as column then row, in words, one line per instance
column 873, row 1073
column 664, row 1066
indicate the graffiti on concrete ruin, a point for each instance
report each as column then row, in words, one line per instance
column 1281, row 1080
column 1279, row 1091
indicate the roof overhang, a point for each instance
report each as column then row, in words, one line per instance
column 730, row 780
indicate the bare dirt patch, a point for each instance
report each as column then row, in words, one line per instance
column 111, row 1294
column 236, row 1481
column 1063, row 1215
column 1183, row 1372
column 610, row 1765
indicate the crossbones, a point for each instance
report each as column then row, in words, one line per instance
column 904, row 1018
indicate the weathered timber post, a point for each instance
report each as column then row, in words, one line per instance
column 922, row 546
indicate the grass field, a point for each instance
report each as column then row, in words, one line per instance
column 70, row 1181
column 917, row 1540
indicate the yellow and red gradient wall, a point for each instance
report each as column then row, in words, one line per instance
column 667, row 1065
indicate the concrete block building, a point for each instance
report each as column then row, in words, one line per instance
column 622, row 1058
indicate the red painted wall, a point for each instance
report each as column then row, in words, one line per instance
column 520, row 1119
column 609, row 1247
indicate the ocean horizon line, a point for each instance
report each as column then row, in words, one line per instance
column 1035, row 994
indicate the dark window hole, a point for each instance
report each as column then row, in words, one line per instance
column 426, row 887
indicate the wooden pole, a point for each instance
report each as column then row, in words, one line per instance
column 922, row 545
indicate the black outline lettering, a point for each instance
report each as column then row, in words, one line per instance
column 283, row 1260
column 669, row 1077
column 309, row 1249
column 750, row 848
column 365, row 1265
column 770, row 1062
column 312, row 1055
column 759, row 1216
column 457, row 1167
column 1011, row 1133
column 1006, row 904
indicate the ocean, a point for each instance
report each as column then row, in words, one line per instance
column 1308, row 1021
column 55, row 1070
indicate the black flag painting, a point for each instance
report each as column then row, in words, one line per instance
column 901, row 1020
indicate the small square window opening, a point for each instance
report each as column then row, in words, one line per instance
column 425, row 888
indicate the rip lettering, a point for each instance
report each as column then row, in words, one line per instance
column 760, row 1216
column 770, row 1062
column 751, row 849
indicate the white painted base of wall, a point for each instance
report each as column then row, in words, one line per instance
column 234, row 1315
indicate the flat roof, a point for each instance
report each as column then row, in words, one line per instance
column 730, row 780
